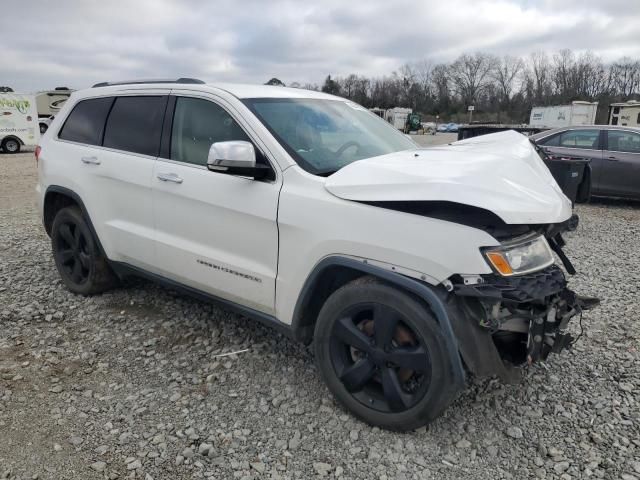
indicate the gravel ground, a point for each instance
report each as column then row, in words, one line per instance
column 131, row 384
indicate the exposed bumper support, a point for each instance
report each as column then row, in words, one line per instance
column 527, row 313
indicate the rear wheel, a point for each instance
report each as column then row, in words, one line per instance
column 11, row 145
column 382, row 355
column 75, row 250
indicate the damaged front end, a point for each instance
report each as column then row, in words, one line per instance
column 506, row 321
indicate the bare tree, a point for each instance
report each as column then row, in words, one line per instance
column 471, row 74
column 506, row 74
column 541, row 70
column 626, row 76
column 563, row 73
column 441, row 86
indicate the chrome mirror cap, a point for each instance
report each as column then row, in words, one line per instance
column 231, row 154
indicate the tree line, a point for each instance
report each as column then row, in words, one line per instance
column 502, row 89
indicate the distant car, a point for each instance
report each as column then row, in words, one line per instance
column 613, row 151
column 448, row 127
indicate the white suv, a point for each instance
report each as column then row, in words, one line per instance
column 407, row 268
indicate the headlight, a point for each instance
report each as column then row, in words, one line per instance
column 528, row 256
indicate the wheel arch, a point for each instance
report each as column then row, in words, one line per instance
column 11, row 137
column 335, row 271
column 56, row 198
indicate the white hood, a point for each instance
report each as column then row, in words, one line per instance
column 500, row 172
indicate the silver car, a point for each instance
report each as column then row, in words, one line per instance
column 614, row 152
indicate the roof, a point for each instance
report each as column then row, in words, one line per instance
column 546, row 133
column 267, row 91
column 236, row 89
column 630, row 103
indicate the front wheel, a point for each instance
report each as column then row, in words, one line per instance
column 11, row 145
column 382, row 355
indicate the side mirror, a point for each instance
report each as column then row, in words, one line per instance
column 236, row 158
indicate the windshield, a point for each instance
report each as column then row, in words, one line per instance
column 325, row 135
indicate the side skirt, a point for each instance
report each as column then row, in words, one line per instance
column 124, row 270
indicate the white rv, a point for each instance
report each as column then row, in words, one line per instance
column 397, row 117
column 576, row 113
column 18, row 122
column 49, row 102
column 626, row 114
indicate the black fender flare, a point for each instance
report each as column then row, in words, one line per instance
column 85, row 213
column 420, row 289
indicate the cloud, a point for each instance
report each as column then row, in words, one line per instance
column 78, row 43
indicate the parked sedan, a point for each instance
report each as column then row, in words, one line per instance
column 614, row 152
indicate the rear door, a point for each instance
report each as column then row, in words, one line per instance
column 621, row 175
column 215, row 232
column 583, row 143
column 113, row 143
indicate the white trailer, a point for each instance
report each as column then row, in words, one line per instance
column 18, row 122
column 397, row 117
column 576, row 113
column 626, row 113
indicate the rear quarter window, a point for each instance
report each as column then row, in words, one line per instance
column 135, row 124
column 551, row 141
column 85, row 123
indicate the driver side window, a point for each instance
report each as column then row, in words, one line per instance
column 198, row 123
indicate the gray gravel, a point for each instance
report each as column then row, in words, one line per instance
column 128, row 385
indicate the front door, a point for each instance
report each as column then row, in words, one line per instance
column 579, row 143
column 214, row 232
column 621, row 173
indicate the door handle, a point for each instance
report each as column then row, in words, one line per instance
column 90, row 160
column 169, row 177
column 613, row 159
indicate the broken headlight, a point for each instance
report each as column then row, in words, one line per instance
column 521, row 257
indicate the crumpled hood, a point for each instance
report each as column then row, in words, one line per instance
column 500, row 172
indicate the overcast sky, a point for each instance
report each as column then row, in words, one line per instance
column 77, row 43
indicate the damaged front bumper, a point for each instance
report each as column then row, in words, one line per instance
column 501, row 322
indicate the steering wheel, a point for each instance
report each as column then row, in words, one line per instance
column 349, row 144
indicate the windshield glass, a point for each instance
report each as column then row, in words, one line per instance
column 325, row 135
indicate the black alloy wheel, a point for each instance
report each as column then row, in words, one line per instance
column 383, row 356
column 82, row 267
column 71, row 249
column 379, row 358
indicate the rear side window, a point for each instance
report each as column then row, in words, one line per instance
column 135, row 124
column 85, row 123
column 552, row 141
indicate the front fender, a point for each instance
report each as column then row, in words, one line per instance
column 421, row 290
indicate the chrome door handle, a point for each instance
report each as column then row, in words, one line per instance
column 90, row 160
column 169, row 177
column 613, row 159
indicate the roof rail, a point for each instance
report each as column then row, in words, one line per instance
column 138, row 82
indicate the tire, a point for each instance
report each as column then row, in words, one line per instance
column 43, row 128
column 11, row 145
column 368, row 369
column 83, row 269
